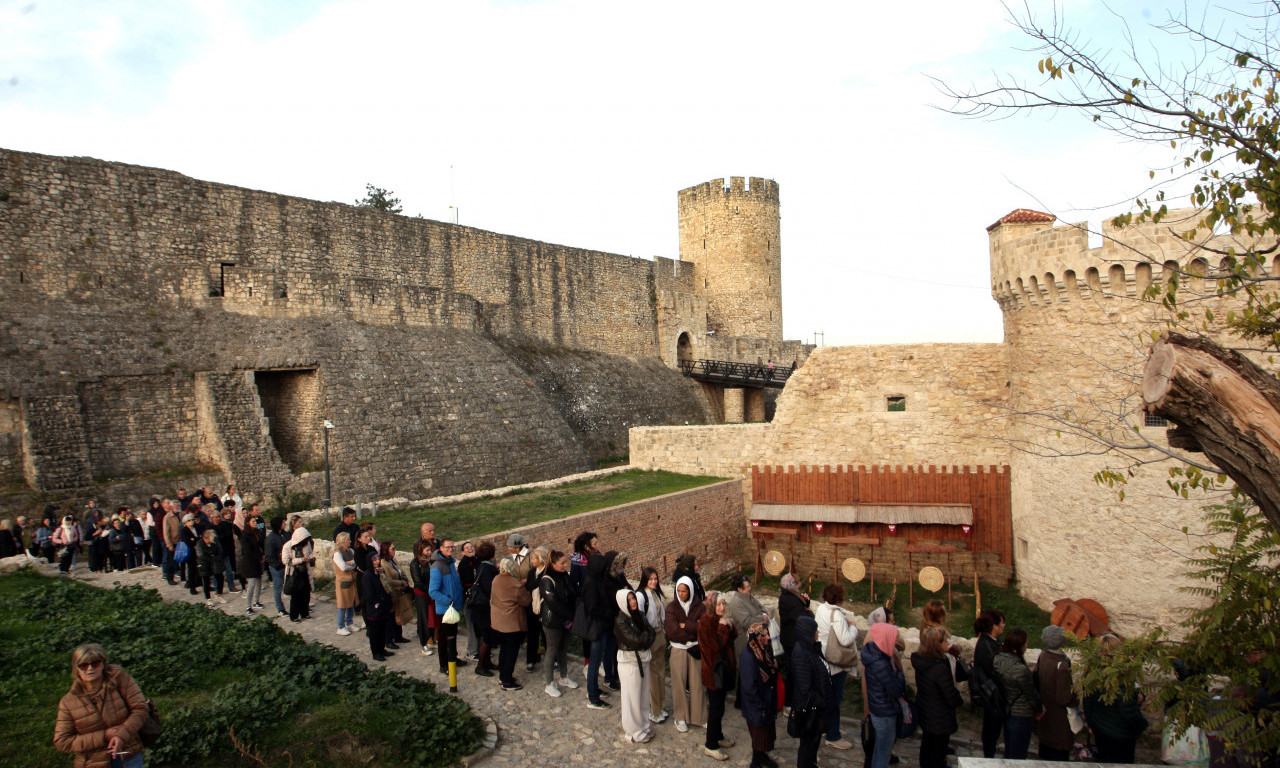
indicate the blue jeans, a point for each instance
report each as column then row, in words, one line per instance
column 1017, row 737
column 169, row 565
column 886, row 735
column 833, row 719
column 132, row 761
column 277, row 586
column 603, row 649
column 346, row 617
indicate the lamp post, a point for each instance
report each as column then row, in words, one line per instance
column 328, row 425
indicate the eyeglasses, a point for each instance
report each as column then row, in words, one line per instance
column 88, row 665
column 446, row 546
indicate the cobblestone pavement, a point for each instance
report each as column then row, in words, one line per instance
column 530, row 724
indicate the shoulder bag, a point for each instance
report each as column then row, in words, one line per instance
column 149, row 733
column 722, row 674
column 836, row 653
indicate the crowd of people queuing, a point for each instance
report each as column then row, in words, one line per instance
column 543, row 600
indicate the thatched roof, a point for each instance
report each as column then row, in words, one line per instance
column 895, row 514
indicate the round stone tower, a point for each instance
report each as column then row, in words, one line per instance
column 731, row 234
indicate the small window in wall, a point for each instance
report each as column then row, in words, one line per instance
column 1153, row 420
column 896, row 402
column 1023, row 548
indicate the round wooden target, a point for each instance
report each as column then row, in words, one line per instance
column 853, row 569
column 774, row 562
column 931, row 578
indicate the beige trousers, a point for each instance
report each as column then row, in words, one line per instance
column 686, row 672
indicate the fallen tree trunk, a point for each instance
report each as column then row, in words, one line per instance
column 1225, row 406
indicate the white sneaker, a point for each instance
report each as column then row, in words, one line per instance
column 426, row 651
column 658, row 719
column 568, row 682
column 359, row 627
column 344, row 631
column 553, row 691
column 682, row 726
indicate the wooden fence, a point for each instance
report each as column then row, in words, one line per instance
column 985, row 489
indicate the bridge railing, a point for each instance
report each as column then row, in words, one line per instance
column 742, row 374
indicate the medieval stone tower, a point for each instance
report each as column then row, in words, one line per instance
column 731, row 234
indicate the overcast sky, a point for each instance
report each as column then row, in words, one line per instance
column 577, row 121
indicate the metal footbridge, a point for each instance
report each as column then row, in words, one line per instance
column 737, row 374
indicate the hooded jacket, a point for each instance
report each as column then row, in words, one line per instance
column 936, row 695
column 599, row 589
column 297, row 552
column 810, row 677
column 444, row 585
column 885, row 682
column 681, row 622
column 633, row 640
column 558, row 601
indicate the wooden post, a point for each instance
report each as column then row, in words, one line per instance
column 950, row 604
column 977, row 590
column 911, row 580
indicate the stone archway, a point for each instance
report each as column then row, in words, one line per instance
column 684, row 348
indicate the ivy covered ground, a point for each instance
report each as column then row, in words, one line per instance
column 287, row 702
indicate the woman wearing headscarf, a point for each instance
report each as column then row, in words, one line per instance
column 298, row 556
column 758, row 693
column 634, row 635
column 716, row 634
column 507, row 600
column 936, row 697
column 681, row 627
column 687, row 566
column 67, row 536
column 651, row 596
column 810, row 685
column 99, row 718
column 885, row 684
column 792, row 604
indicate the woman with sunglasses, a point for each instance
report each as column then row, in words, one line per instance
column 99, row 718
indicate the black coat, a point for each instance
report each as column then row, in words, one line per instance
column 376, row 599
column 600, row 589
column 249, row 554
column 936, row 695
column 808, row 677
column 209, row 557
column 759, row 700
column 558, row 600
column 790, row 608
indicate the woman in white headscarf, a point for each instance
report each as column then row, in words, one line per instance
column 299, row 557
column 634, row 635
column 686, row 661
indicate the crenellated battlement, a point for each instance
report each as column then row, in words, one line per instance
column 1034, row 263
column 765, row 190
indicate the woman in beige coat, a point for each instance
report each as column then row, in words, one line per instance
column 102, row 713
column 507, row 600
column 344, row 582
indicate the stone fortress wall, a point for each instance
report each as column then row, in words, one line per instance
column 1076, row 336
column 159, row 325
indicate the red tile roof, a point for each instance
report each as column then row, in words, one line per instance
column 1024, row 216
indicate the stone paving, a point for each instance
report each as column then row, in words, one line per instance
column 529, row 724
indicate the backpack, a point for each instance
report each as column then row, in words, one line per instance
column 988, row 692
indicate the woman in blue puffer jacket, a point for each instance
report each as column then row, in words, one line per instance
column 885, row 685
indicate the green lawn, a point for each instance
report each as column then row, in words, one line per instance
column 213, row 675
column 467, row 520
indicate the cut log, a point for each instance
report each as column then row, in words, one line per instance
column 1226, row 405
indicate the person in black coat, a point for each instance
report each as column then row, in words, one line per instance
column 486, row 571
column 377, row 609
column 601, row 609
column 758, row 694
column 810, row 684
column 988, row 626
column 936, row 697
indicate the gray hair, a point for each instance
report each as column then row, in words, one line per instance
column 508, row 565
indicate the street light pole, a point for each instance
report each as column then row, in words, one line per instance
column 328, row 425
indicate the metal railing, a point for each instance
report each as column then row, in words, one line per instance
column 738, row 374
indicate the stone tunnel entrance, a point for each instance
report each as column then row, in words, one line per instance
column 291, row 402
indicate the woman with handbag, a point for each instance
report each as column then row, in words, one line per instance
column 809, row 686
column 444, row 586
column 397, row 585
column 100, row 718
column 885, row 686
column 839, row 647
column 758, row 692
column 507, row 600
column 715, row 639
column 344, row 582
column 936, row 697
column 298, row 556
column 681, row 627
